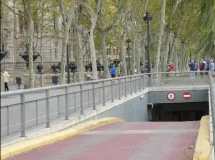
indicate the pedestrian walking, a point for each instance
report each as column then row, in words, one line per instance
column 171, row 68
column 211, row 67
column 113, row 71
column 6, row 78
column 192, row 66
column 195, row 67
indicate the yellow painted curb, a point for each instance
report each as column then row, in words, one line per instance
column 203, row 147
column 28, row 145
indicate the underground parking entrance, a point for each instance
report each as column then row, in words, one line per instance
column 177, row 111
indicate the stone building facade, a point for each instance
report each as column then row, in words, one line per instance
column 13, row 40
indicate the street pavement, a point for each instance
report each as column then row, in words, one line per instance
column 124, row 141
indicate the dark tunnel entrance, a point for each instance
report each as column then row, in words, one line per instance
column 177, row 111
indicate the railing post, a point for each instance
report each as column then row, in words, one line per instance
column 103, row 89
column 139, row 83
column 81, row 99
column 135, row 80
column 212, row 96
column 119, row 81
column 47, row 110
column 112, row 91
column 22, row 115
column 94, row 98
column 66, row 103
column 37, row 112
column 125, row 87
column 8, row 121
column 131, row 84
column 58, row 106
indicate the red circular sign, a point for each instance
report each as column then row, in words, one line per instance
column 187, row 95
column 171, row 96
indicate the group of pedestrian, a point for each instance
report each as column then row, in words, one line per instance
column 204, row 65
column 113, row 73
column 207, row 65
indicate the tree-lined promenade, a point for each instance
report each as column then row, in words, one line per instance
column 180, row 30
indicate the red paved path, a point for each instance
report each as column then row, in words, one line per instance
column 126, row 142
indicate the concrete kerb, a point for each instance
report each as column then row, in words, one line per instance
column 28, row 145
column 203, row 146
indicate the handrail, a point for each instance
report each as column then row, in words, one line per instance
column 212, row 98
column 62, row 86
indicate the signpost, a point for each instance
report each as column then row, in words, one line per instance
column 171, row 96
column 187, row 95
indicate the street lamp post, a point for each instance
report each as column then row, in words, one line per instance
column 147, row 17
column 129, row 57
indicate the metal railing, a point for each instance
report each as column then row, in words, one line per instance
column 25, row 109
column 212, row 102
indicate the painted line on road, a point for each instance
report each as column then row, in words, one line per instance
column 28, row 145
column 203, row 147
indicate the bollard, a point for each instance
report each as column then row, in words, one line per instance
column 18, row 82
column 55, row 79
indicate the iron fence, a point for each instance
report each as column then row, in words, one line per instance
column 22, row 110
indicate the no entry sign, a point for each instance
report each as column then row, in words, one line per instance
column 171, row 96
column 186, row 95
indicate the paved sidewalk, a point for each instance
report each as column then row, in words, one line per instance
column 13, row 87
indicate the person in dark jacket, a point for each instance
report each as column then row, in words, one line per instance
column 192, row 66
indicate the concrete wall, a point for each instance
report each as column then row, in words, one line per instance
column 161, row 96
column 134, row 110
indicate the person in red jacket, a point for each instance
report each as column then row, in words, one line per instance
column 171, row 67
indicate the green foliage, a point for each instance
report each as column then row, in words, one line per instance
column 194, row 20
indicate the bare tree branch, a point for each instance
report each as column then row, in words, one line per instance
column 147, row 2
column 108, row 28
column 26, row 10
column 90, row 10
column 14, row 12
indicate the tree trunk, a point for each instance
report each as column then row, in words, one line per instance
column 173, row 47
column 165, row 56
column 30, row 42
column 175, row 55
column 71, row 51
column 92, row 49
column 104, row 53
column 143, row 50
column 162, row 21
column 138, row 54
column 63, row 54
column 14, row 31
column 56, row 36
column 80, row 65
column 133, row 55
column 123, row 52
